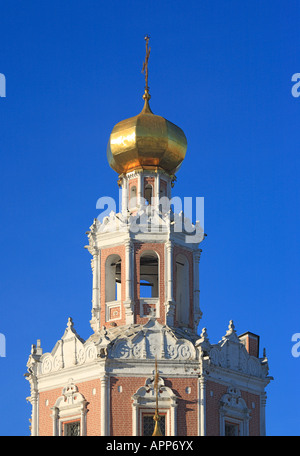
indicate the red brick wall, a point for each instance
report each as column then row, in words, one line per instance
column 121, row 403
column 187, row 409
column 254, row 423
column 213, row 407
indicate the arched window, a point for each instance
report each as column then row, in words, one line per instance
column 149, row 275
column 182, row 290
column 148, row 194
column 113, row 278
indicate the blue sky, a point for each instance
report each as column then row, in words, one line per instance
column 222, row 72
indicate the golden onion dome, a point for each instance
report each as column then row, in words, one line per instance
column 146, row 141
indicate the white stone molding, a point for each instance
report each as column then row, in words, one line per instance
column 70, row 406
column 144, row 400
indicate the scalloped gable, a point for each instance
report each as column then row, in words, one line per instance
column 65, row 351
column 150, row 340
column 230, row 353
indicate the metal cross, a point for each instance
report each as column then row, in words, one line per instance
column 145, row 63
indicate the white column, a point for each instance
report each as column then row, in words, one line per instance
column 170, row 308
column 173, row 420
column 140, row 190
column 202, row 406
column 125, row 196
column 96, row 279
column 169, row 271
column 34, row 415
column 55, row 421
column 263, row 400
column 129, row 262
column 135, row 417
column 83, row 419
column 196, row 289
column 96, row 301
column 104, row 405
column 156, row 191
column 128, row 272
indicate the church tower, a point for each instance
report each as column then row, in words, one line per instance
column 145, row 367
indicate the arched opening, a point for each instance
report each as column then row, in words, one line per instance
column 149, row 275
column 148, row 194
column 182, row 290
column 113, row 278
column 164, row 205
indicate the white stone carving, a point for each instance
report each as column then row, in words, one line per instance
column 150, row 341
column 230, row 353
column 71, row 404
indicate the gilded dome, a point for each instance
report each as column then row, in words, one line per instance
column 146, row 141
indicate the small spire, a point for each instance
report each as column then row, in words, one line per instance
column 231, row 328
column 146, row 95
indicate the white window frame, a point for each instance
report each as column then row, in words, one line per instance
column 234, row 409
column 144, row 401
column 71, row 406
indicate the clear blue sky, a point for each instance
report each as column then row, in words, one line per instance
column 222, row 72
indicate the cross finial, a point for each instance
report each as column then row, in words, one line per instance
column 145, row 65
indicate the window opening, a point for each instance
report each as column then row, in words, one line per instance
column 72, row 429
column 149, row 276
column 149, row 423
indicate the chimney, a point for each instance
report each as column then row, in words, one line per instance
column 251, row 342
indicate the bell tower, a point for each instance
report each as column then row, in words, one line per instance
column 142, row 265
